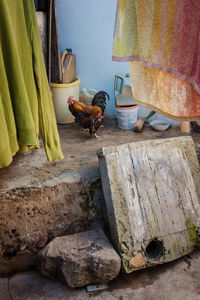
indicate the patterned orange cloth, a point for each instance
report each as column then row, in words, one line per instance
column 161, row 39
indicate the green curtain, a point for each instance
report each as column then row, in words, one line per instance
column 26, row 107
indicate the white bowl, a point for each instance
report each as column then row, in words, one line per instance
column 159, row 125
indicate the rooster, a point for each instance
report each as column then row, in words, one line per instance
column 89, row 117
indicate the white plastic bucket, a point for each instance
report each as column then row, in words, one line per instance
column 127, row 116
column 60, row 94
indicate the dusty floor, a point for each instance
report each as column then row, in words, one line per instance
column 177, row 280
column 79, row 151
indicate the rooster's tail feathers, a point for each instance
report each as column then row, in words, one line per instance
column 100, row 100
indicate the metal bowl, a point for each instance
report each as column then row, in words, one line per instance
column 159, row 125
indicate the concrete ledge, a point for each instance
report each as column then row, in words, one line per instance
column 32, row 215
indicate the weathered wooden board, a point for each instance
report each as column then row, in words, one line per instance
column 56, row 75
column 152, row 192
column 42, row 24
column 48, row 27
column 49, row 37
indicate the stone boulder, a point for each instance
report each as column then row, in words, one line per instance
column 80, row 259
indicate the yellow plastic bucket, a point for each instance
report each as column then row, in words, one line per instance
column 60, row 93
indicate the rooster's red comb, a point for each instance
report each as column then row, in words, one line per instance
column 70, row 98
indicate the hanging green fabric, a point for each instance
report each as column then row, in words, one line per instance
column 26, row 106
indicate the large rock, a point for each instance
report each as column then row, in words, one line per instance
column 80, row 259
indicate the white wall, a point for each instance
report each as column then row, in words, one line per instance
column 87, row 27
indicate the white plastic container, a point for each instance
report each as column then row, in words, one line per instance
column 123, row 91
column 68, row 66
column 127, row 116
column 86, row 96
column 60, row 94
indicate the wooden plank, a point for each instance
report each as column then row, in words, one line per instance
column 152, row 194
column 42, row 24
column 185, row 126
column 41, row 5
column 49, row 37
column 55, row 49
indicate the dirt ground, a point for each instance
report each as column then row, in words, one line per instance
column 178, row 280
column 79, row 151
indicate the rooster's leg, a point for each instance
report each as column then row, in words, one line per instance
column 95, row 135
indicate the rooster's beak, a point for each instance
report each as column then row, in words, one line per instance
column 70, row 100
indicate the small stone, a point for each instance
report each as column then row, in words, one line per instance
column 80, row 259
column 22, row 247
column 138, row 261
column 42, row 241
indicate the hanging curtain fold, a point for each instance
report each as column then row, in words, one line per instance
column 26, row 107
column 161, row 39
